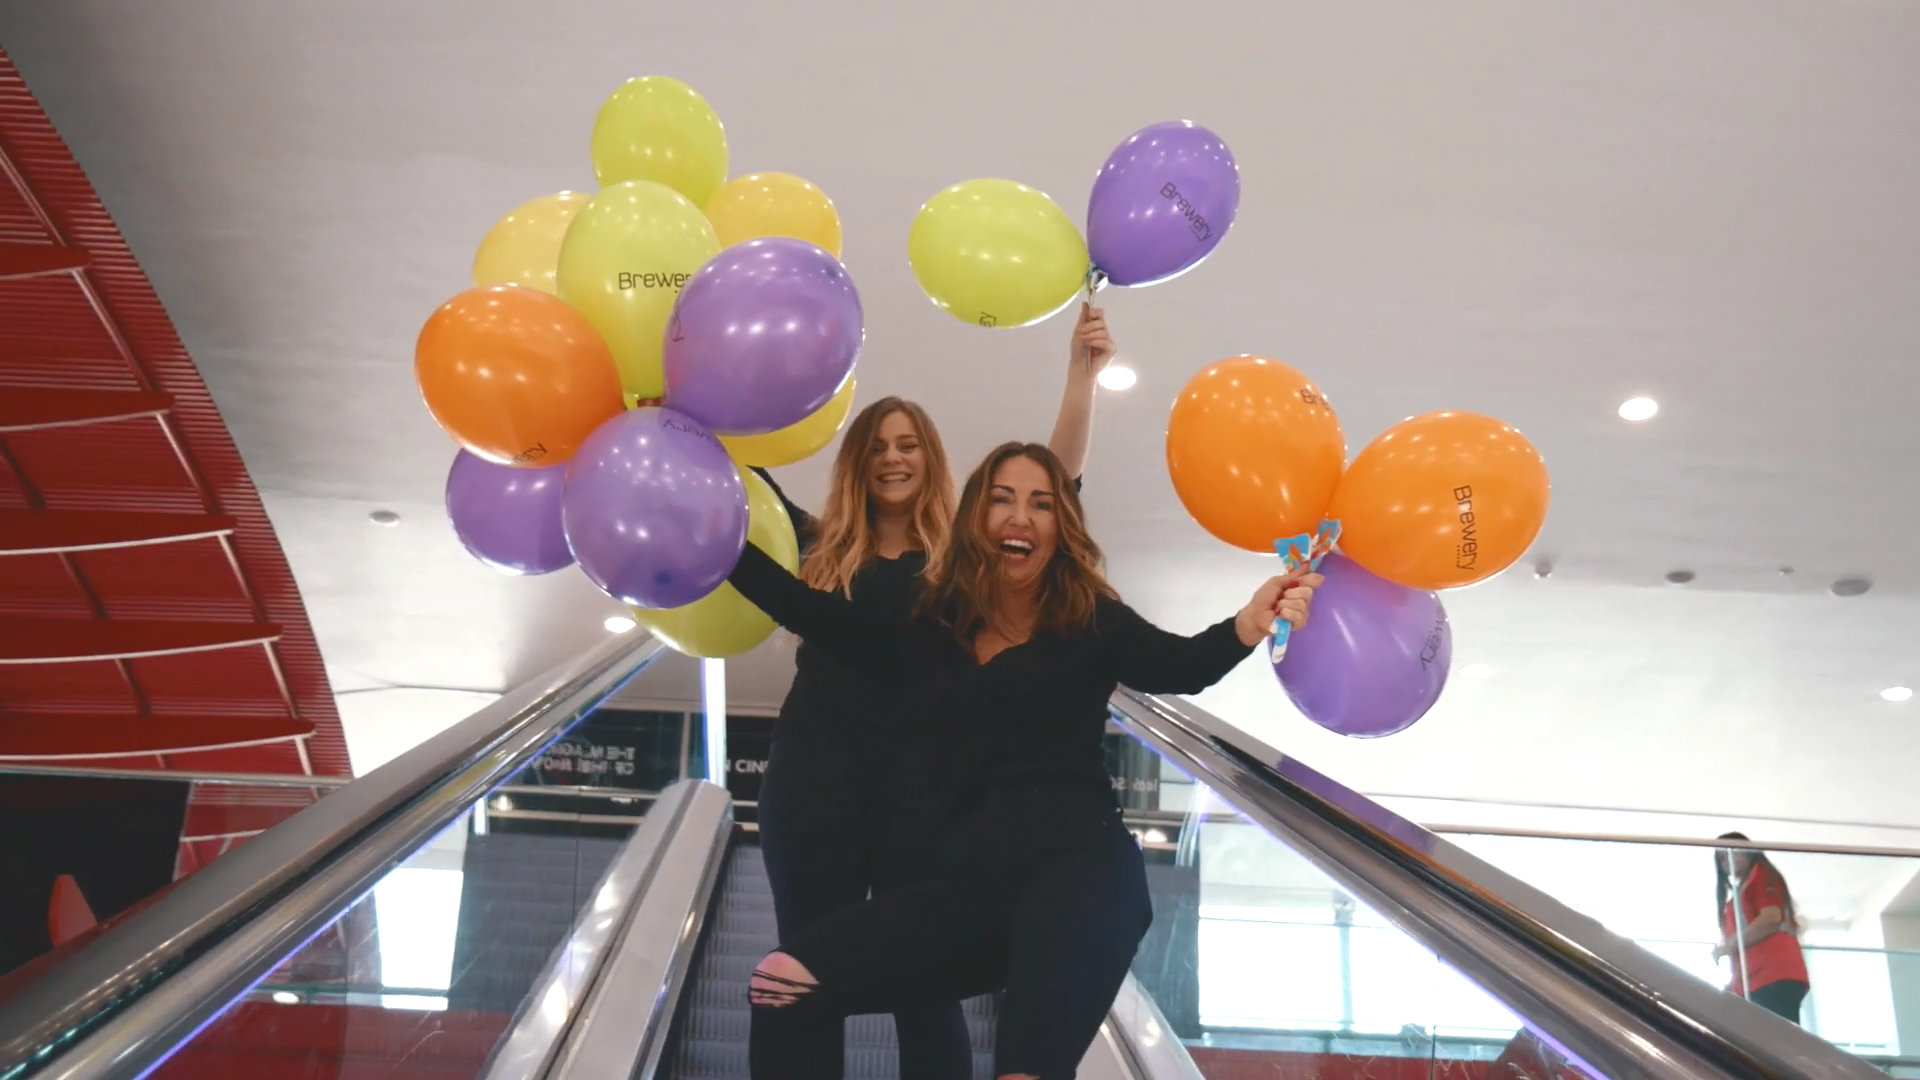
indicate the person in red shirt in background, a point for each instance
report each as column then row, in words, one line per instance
column 1775, row 968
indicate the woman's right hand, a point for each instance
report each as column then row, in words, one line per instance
column 1288, row 597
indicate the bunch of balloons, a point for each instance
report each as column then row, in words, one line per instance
column 623, row 357
column 1001, row 254
column 1439, row 501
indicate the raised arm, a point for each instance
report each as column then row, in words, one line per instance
column 1090, row 351
column 805, row 527
column 1157, row 661
column 869, row 643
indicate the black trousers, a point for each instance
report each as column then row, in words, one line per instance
column 844, row 815
column 1781, row 998
column 1056, row 926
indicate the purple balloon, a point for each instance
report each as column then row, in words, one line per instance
column 1373, row 657
column 508, row 518
column 762, row 336
column 1161, row 203
column 654, row 509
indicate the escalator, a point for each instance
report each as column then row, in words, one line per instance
column 410, row 925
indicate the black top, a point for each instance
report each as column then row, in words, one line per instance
column 826, row 694
column 1033, row 717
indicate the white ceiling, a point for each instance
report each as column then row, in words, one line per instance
column 1530, row 209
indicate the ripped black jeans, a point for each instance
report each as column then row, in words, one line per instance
column 1053, row 924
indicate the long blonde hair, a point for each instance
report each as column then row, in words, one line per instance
column 845, row 540
column 963, row 588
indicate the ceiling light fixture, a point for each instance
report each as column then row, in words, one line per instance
column 1897, row 693
column 1850, row 586
column 285, row 997
column 386, row 518
column 1679, row 577
column 1476, row 671
column 619, row 624
column 1117, row 377
column 1638, row 409
column 1155, row 836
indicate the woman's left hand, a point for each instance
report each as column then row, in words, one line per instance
column 1289, row 598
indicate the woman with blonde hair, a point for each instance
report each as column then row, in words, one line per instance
column 850, row 802
column 1009, row 656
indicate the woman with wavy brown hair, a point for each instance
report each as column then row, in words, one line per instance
column 1010, row 656
column 849, row 799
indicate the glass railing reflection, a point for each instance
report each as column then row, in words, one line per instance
column 427, row 969
column 1256, row 952
column 1263, row 966
column 1857, row 915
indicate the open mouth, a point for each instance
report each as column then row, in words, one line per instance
column 1015, row 547
column 891, row 479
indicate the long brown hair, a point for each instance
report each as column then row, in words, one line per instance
column 845, row 540
column 963, row 589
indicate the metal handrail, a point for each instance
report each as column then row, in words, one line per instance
column 621, row 1028
column 1598, row 995
column 560, row 999
column 124, row 1002
column 191, row 776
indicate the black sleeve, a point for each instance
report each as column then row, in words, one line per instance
column 805, row 527
column 872, row 644
column 1154, row 661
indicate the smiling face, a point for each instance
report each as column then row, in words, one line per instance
column 896, row 463
column 1020, row 520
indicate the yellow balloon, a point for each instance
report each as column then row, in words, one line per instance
column 774, row 204
column 660, row 129
column 796, row 441
column 622, row 265
column 523, row 248
column 723, row 623
column 997, row 253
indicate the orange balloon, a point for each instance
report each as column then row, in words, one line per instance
column 1442, row 500
column 1255, row 451
column 515, row 375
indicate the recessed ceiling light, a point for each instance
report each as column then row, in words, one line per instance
column 285, row 997
column 1476, row 671
column 384, row 517
column 1850, row 586
column 1117, row 377
column 619, row 624
column 1639, row 408
column 503, row 803
column 1154, row 836
column 1897, row 693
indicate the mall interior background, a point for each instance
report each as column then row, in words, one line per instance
column 1531, row 210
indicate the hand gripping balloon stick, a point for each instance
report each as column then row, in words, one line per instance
column 1306, row 550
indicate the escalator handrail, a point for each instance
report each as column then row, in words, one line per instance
column 128, row 999
column 621, row 1028
column 1607, row 998
column 555, row 1013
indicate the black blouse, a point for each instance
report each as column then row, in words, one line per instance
column 1031, row 717
column 828, row 695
